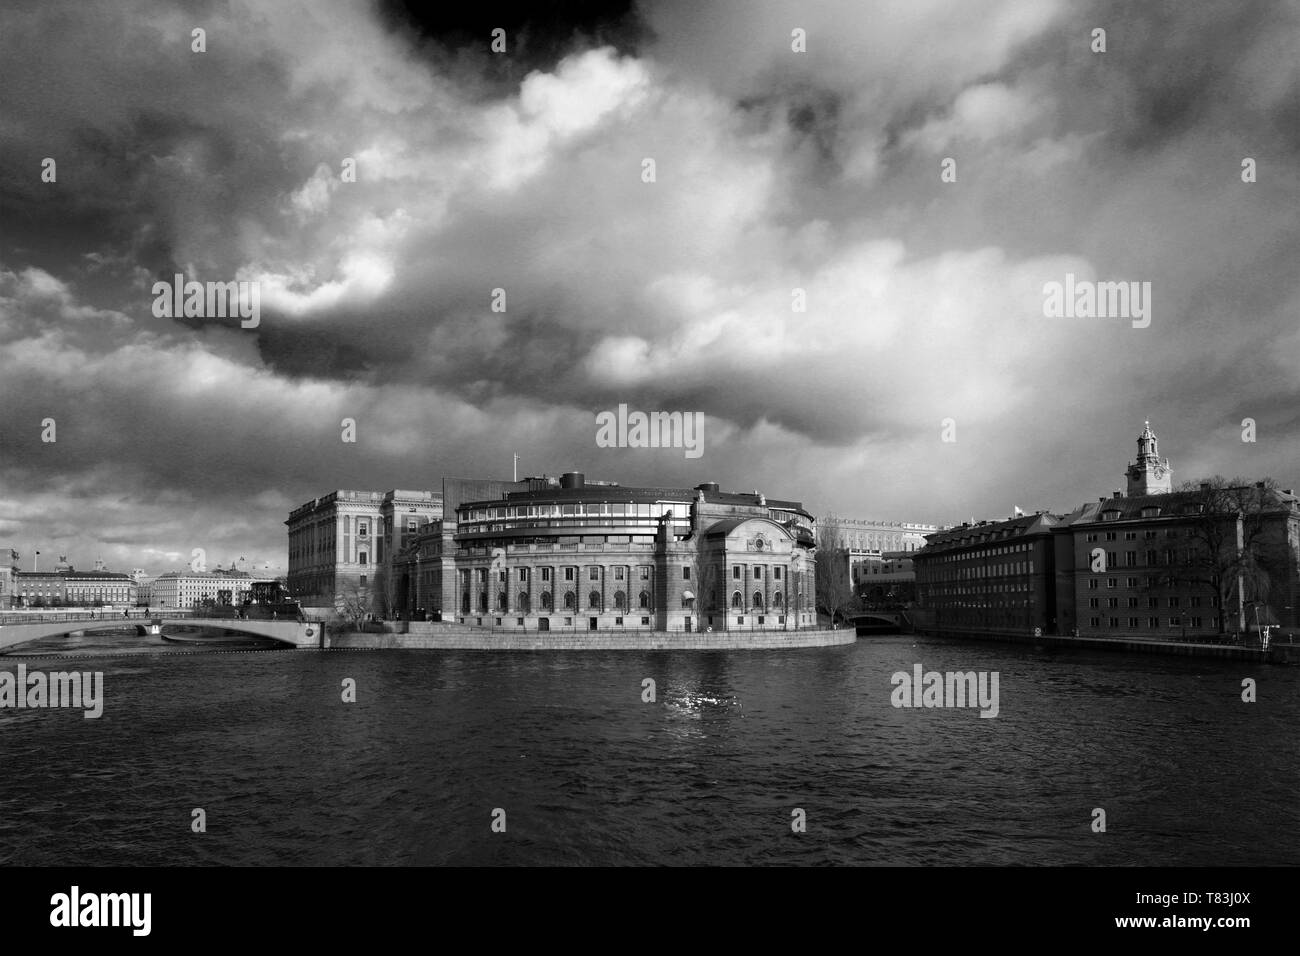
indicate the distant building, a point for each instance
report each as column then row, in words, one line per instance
column 1152, row 563
column 988, row 577
column 883, row 577
column 8, row 575
column 183, row 589
column 143, row 586
column 879, row 536
column 66, row 587
column 1137, row 566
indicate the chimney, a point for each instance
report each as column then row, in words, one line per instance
column 1117, row 494
column 1205, row 486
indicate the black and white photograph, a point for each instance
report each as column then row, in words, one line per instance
column 695, row 434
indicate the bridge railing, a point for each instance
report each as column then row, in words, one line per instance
column 106, row 615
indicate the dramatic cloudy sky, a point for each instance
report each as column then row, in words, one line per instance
column 776, row 170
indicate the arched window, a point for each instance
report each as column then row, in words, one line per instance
column 593, row 600
column 736, row 600
column 620, row 600
column 482, row 601
column 645, row 599
column 501, row 601
column 758, row 600
column 570, row 601
column 776, row 599
column 546, row 600
column 523, row 602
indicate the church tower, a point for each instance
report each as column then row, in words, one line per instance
column 1150, row 474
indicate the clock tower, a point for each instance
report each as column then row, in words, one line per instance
column 1150, row 474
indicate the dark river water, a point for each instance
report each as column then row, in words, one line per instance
column 709, row 773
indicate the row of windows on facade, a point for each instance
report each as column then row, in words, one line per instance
column 593, row 573
column 679, row 510
column 984, row 552
column 1147, row 583
column 544, row 623
column 1154, row 602
column 1154, row 622
column 1153, row 557
column 595, row 602
column 1147, row 535
column 327, row 542
column 958, row 574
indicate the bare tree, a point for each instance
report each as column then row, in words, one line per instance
column 831, row 564
column 353, row 604
column 1234, row 545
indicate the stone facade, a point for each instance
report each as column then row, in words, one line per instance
column 565, row 554
column 341, row 544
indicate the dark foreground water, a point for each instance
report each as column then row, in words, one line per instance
column 709, row 773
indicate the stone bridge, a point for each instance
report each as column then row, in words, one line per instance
column 300, row 634
column 881, row 620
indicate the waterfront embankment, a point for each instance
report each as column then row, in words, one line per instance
column 424, row 636
column 1275, row 653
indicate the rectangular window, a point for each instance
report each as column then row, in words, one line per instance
column 1153, row 622
column 1092, row 584
column 1175, row 622
column 1132, row 602
column 363, row 581
column 1173, row 602
column 568, row 574
column 735, row 573
column 686, row 574
column 1094, row 621
column 1132, row 582
column 523, row 574
column 1112, row 602
column 1094, row 602
column 1153, row 602
column 1114, row 622
column 618, row 574
column 758, row 574
column 1132, row 622
column 546, row 574
column 1110, row 535
column 361, row 558
column 776, row 574
column 501, row 576
column 645, row 620
column 645, row 574
column 1111, row 582
column 593, row 574
column 1196, row 622
column 1130, row 559
column 1196, row 600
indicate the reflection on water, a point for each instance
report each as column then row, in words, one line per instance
column 591, row 773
